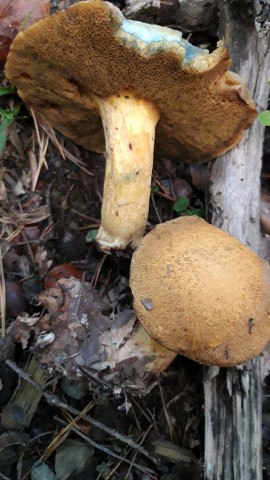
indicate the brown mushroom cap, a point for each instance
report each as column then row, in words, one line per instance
column 201, row 293
column 61, row 62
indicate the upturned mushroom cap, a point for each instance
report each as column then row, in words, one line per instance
column 94, row 75
column 201, row 293
column 61, row 62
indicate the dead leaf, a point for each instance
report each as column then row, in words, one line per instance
column 16, row 15
column 11, row 443
column 71, row 457
column 52, row 299
column 76, row 335
column 42, row 262
column 3, row 193
column 22, row 327
column 65, row 270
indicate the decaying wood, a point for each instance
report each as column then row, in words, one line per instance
column 19, row 411
column 197, row 15
column 233, row 396
column 174, row 453
column 55, row 401
column 139, row 7
column 188, row 15
column 148, row 11
column 261, row 13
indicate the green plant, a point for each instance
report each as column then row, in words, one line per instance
column 264, row 118
column 182, row 207
column 7, row 90
column 91, row 236
column 7, row 117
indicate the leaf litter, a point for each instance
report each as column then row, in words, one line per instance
column 81, row 333
column 16, row 15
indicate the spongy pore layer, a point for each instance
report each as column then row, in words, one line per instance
column 60, row 63
column 201, row 293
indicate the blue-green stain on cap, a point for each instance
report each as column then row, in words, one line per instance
column 156, row 34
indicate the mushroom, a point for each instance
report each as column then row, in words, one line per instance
column 201, row 293
column 89, row 66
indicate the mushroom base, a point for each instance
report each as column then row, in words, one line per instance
column 129, row 125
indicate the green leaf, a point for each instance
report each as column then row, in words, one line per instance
column 181, row 204
column 7, row 117
column 7, row 90
column 264, row 118
column 154, row 189
column 3, row 135
column 196, row 211
column 91, row 235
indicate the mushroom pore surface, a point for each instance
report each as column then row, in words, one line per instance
column 201, row 293
column 62, row 62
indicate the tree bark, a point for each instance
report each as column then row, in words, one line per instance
column 233, row 399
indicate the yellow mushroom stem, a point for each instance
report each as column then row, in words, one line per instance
column 129, row 126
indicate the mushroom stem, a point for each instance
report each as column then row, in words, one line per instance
column 129, row 125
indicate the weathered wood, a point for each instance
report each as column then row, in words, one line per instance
column 20, row 409
column 233, row 396
column 188, row 15
column 144, row 10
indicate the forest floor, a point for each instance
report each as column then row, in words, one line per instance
column 58, row 423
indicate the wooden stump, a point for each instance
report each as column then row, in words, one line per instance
column 233, row 400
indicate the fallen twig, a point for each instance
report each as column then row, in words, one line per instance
column 54, row 401
column 104, row 449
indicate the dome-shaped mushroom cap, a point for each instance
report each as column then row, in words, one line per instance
column 61, row 62
column 201, row 293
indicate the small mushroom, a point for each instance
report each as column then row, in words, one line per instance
column 104, row 80
column 210, row 294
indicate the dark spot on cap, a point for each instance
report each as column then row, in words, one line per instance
column 251, row 325
column 226, row 353
column 26, row 76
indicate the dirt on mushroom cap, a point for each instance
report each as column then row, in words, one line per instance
column 203, row 108
column 209, row 294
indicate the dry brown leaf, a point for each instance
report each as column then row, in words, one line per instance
column 16, row 15
column 115, row 349
column 77, row 336
column 42, row 262
column 25, row 324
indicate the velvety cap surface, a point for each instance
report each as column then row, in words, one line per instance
column 201, row 293
column 58, row 64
